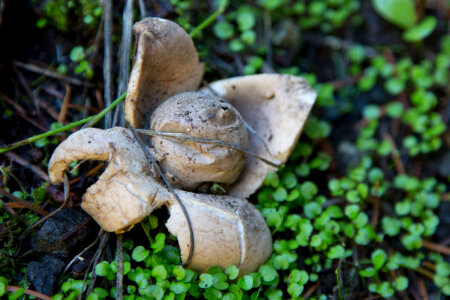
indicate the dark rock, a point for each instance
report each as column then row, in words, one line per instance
column 443, row 231
column 61, row 233
column 348, row 155
column 444, row 166
column 43, row 273
column 378, row 31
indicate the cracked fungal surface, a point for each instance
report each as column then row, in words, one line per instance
column 188, row 164
column 233, row 224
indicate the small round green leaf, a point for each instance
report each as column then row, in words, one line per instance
column 421, row 30
column 401, row 283
column 399, row 12
column 268, row 273
column 245, row 283
column 77, row 54
column 232, row 272
column 379, row 257
column 140, row 253
column 206, row 281
column 223, row 30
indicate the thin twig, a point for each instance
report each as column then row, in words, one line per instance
column 84, row 107
column 49, row 109
column 422, row 290
column 30, row 94
column 172, row 191
column 337, row 43
column 189, row 138
column 66, row 200
column 124, row 60
column 106, row 110
column 12, row 289
column 21, row 112
column 424, row 272
column 268, row 37
column 99, row 98
column 26, row 204
column 89, row 173
column 107, row 58
column 222, row 6
column 75, row 229
column 436, row 247
column 396, row 157
column 339, row 279
column 64, row 106
column 142, row 9
column 36, row 170
column 2, row 8
column 309, row 292
column 119, row 273
column 19, row 109
column 8, row 209
column 255, row 134
column 376, row 207
column 248, row 126
column 429, row 265
column 89, row 121
column 48, row 73
column 103, row 240
column 82, row 252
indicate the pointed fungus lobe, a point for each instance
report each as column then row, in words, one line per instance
column 126, row 192
column 227, row 231
column 276, row 107
column 165, row 63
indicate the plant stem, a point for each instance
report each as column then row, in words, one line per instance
column 119, row 275
column 338, row 280
column 222, row 6
column 89, row 120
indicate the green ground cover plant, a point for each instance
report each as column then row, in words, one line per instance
column 359, row 210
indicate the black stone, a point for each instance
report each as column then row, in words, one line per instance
column 60, row 234
column 43, row 274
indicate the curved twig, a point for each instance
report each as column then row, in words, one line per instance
column 66, row 200
column 119, row 273
column 82, row 252
column 186, row 137
column 103, row 241
column 172, row 191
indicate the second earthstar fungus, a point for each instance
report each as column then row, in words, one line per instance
column 235, row 126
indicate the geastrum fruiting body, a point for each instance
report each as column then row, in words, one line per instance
column 162, row 97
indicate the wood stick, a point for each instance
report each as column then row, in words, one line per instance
column 48, row 73
column 119, row 274
column 11, row 288
column 63, row 112
column 107, row 57
column 436, row 247
column 8, row 209
column 28, row 205
column 36, row 170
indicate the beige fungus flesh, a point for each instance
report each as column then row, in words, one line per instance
column 227, row 229
column 276, row 107
column 165, row 63
column 188, row 164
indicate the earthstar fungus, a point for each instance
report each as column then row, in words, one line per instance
column 162, row 97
